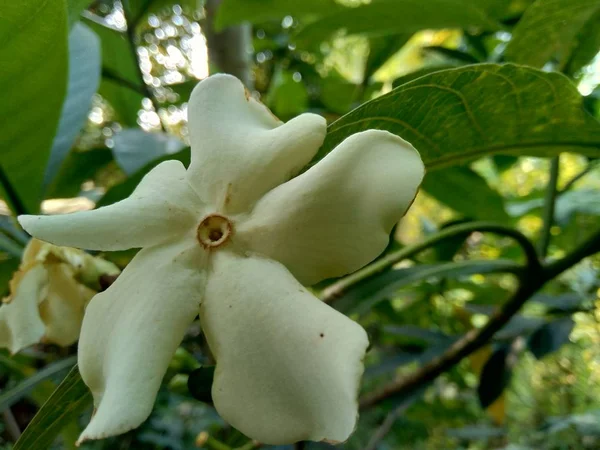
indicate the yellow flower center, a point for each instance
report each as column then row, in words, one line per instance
column 214, row 230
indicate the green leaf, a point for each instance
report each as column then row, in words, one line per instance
column 118, row 62
column 550, row 337
column 456, row 115
column 420, row 73
column 495, row 376
column 504, row 162
column 338, row 94
column 380, row 18
column 124, row 189
column 286, row 97
column 477, row 432
column 549, row 28
column 583, row 201
column 84, row 76
column 78, row 168
column 182, row 90
column 568, row 302
column 363, row 296
column 466, row 192
column 134, row 148
column 9, row 246
column 232, row 12
column 64, row 405
column 11, row 396
column 452, row 54
column 33, row 74
column 588, row 45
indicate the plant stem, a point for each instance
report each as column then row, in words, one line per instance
column 549, row 206
column 530, row 283
column 133, row 48
column 337, row 289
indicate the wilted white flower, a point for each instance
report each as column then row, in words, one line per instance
column 48, row 295
column 233, row 239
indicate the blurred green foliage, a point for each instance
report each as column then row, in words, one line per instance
column 83, row 132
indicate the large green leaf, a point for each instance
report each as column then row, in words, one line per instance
column 456, row 115
column 33, row 76
column 118, row 63
column 384, row 17
column 84, row 76
column 64, row 405
column 466, row 192
column 549, row 28
column 232, row 12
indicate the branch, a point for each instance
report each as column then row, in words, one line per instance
column 530, row 283
column 338, row 288
column 591, row 166
column 549, row 206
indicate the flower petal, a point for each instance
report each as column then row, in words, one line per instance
column 162, row 207
column 20, row 321
column 239, row 149
column 288, row 365
column 337, row 216
column 131, row 331
column 62, row 309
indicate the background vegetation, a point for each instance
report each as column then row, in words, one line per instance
column 484, row 311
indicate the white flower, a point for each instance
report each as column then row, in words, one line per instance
column 49, row 293
column 233, row 239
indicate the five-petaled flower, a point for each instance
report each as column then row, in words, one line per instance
column 48, row 295
column 234, row 238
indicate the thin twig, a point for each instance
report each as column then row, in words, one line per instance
column 337, row 289
column 530, row 283
column 591, row 166
column 549, row 206
column 390, row 420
